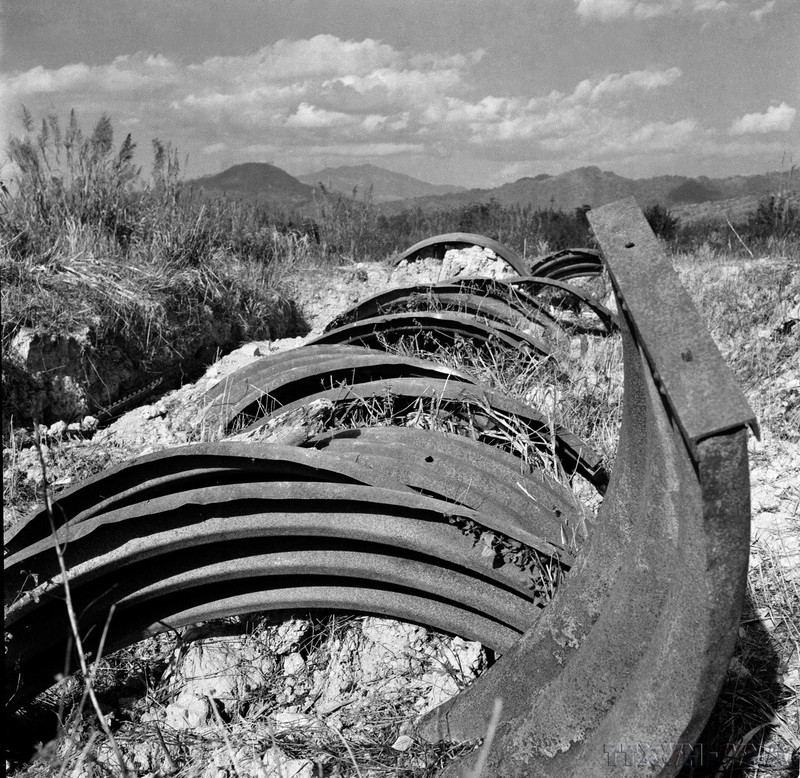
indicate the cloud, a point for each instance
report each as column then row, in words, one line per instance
column 612, row 10
column 324, row 100
column 759, row 13
column 777, row 118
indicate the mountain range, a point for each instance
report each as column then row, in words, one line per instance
column 566, row 191
column 385, row 185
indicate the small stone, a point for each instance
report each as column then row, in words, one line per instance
column 57, row 430
column 289, row 634
column 89, row 424
column 277, row 764
column 403, row 743
column 293, row 664
column 287, row 723
column 188, row 712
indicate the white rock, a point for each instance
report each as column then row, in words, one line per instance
column 89, row 424
column 293, row 664
column 57, row 430
column 289, row 634
column 287, row 723
column 403, row 743
column 188, row 712
column 278, row 765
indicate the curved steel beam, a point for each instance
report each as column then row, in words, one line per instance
column 470, row 404
column 170, row 547
column 534, row 284
column 633, row 655
column 280, row 379
column 531, row 508
column 477, row 296
column 432, row 329
column 460, row 239
column 154, row 475
column 569, row 263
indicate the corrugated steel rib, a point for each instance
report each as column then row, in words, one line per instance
column 568, row 263
column 280, row 379
column 507, row 417
column 481, row 297
column 431, row 331
column 170, row 547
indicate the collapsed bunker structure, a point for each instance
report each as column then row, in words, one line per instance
column 633, row 646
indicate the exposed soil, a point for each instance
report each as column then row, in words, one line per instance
column 290, row 688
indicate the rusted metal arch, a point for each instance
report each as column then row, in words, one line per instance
column 568, row 263
column 280, row 379
column 629, row 658
column 460, row 239
column 466, row 402
column 477, row 296
column 178, row 552
column 532, row 508
column 532, row 285
column 185, row 467
column 435, row 329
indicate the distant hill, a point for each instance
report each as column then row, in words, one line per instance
column 566, row 191
column 257, row 180
column 692, row 191
column 385, row 184
column 595, row 187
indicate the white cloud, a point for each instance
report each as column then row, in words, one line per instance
column 616, row 85
column 328, row 100
column 612, row 10
column 777, row 118
column 310, row 116
column 759, row 13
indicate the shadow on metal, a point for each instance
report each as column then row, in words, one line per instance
column 623, row 667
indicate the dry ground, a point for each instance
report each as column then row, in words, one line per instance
column 305, row 697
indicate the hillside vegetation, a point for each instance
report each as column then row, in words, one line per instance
column 113, row 280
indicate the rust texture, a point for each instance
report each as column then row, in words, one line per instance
column 631, row 651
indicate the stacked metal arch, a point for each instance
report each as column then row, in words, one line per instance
column 634, row 645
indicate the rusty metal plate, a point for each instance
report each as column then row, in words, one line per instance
column 686, row 364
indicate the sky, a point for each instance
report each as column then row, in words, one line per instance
column 467, row 92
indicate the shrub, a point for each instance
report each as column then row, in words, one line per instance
column 662, row 222
column 155, row 279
